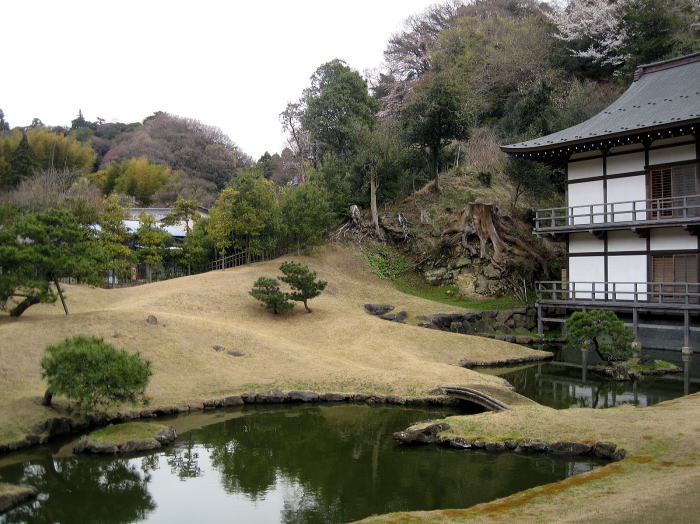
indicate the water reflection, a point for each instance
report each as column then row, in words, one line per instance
column 299, row 464
column 564, row 383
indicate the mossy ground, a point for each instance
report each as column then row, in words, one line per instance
column 120, row 433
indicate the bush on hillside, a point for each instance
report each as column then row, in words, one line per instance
column 93, row 373
column 267, row 291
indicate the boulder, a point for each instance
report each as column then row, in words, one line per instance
column 235, row 354
column 495, row 446
column 400, row 317
column 569, row 448
column 531, row 445
column 333, row 397
column 378, row 309
column 162, row 437
column 424, row 435
column 271, row 397
column 12, row 495
column 151, row 319
column 233, row 400
column 646, row 360
column 604, row 450
column 218, row 347
column 303, row 396
column 435, row 277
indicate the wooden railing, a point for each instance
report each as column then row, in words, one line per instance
column 642, row 293
column 245, row 257
column 681, row 208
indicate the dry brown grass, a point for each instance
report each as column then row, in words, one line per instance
column 336, row 348
column 658, row 481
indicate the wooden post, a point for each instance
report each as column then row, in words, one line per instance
column 540, row 323
column 60, row 294
column 584, row 363
column 686, row 328
column 635, row 322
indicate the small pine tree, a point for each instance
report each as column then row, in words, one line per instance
column 602, row 330
column 267, row 291
column 93, row 373
column 302, row 281
column 22, row 161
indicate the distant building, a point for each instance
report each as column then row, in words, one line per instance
column 632, row 218
column 177, row 230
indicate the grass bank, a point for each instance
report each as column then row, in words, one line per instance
column 337, row 348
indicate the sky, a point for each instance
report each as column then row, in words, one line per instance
column 232, row 64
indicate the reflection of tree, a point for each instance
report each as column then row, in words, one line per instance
column 183, row 458
column 107, row 490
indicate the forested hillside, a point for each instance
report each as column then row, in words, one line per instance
column 407, row 157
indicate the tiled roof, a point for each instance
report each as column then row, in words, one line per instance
column 662, row 94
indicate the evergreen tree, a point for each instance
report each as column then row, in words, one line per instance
column 37, row 251
column 302, row 281
column 4, row 126
column 114, row 237
column 306, row 214
column 152, row 242
column 267, row 291
column 22, row 162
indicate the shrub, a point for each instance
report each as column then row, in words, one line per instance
column 385, row 263
column 484, row 178
column 603, row 331
column 92, row 373
column 302, row 281
column 267, row 291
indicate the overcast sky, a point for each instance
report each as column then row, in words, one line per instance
column 227, row 63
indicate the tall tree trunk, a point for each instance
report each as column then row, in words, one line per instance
column 435, row 154
column 306, row 306
column 373, row 203
column 60, row 294
column 22, row 306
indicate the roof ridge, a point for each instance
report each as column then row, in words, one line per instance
column 666, row 64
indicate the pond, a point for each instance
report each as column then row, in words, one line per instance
column 292, row 464
column 560, row 383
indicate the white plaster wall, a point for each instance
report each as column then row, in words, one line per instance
column 627, row 269
column 672, row 140
column 585, row 243
column 625, row 190
column 625, row 241
column 586, row 154
column 628, row 163
column 672, row 154
column 585, row 168
column 584, row 273
column 585, row 194
column 672, row 238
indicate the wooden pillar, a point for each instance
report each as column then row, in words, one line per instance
column 635, row 322
column 540, row 323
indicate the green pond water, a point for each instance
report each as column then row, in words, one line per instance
column 292, row 464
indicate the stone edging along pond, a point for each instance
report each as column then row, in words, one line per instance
column 430, row 435
column 56, row 427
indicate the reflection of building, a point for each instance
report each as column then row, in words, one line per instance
column 633, row 198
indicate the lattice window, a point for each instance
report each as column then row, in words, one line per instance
column 681, row 268
column 668, row 186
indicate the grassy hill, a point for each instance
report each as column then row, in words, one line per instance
column 336, row 348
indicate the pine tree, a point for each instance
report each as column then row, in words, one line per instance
column 302, row 281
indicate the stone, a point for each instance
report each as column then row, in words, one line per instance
column 132, row 446
column 393, row 399
column 511, row 443
column 303, row 396
column 400, row 317
column 12, row 495
column 569, row 448
column 435, row 277
column 376, row 399
column 479, row 444
column 249, row 398
column 459, row 442
column 618, row 455
column 54, row 427
column 217, row 347
column 116, row 334
column 235, row 354
column 166, row 436
column 378, row 309
column 646, row 360
column 491, row 271
column 233, row 400
column 532, row 445
column 426, row 435
column 213, row 403
column 495, row 446
column 195, row 405
column 151, row 319
column 271, row 397
column 333, row 397
column 604, row 449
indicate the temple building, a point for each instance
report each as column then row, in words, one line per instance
column 632, row 217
